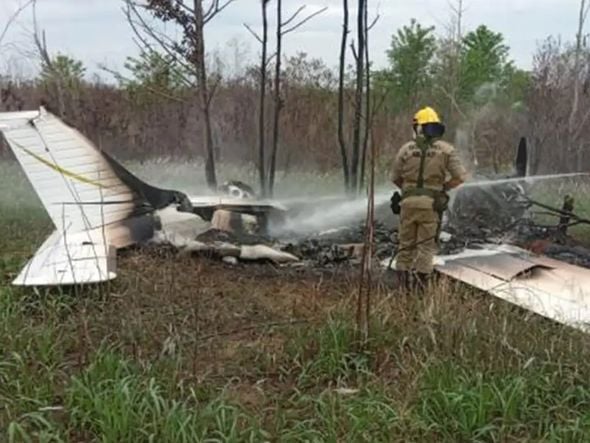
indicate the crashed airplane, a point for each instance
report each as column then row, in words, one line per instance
column 98, row 207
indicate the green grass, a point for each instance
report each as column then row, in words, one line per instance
column 458, row 403
column 329, row 354
column 114, row 401
column 181, row 349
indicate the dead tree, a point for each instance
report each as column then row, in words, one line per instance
column 12, row 18
column 278, row 103
column 189, row 53
column 262, row 100
column 341, row 110
column 282, row 28
column 262, row 96
column 359, row 56
column 370, row 110
column 198, row 59
column 354, row 170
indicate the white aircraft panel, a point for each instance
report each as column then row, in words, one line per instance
column 65, row 170
column 72, row 259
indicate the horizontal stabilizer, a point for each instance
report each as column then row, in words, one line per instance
column 73, row 259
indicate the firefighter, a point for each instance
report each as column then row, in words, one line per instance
column 421, row 170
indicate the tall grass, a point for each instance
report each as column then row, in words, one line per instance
column 329, row 354
column 334, row 416
column 459, row 403
column 112, row 401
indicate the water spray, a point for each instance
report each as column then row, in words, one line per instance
column 528, row 179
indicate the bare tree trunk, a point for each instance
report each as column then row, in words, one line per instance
column 282, row 28
column 342, row 68
column 358, row 100
column 261, row 111
column 203, row 88
column 277, row 101
column 368, row 113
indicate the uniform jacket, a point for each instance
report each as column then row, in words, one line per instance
column 441, row 163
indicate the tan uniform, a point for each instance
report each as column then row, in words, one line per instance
column 419, row 222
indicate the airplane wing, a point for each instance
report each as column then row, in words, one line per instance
column 77, row 258
column 547, row 287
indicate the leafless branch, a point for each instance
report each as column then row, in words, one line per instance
column 188, row 9
column 215, row 8
column 40, row 40
column 453, row 101
column 293, row 17
column 586, row 9
column 270, row 58
column 458, row 8
column 256, row 36
column 144, row 43
column 374, row 22
column 354, row 53
column 13, row 18
column 305, row 20
column 159, row 39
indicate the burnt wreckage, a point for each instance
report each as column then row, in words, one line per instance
column 489, row 239
column 502, row 210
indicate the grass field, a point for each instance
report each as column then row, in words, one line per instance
column 181, row 349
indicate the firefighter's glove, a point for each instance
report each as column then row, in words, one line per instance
column 441, row 202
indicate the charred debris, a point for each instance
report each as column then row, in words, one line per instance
column 488, row 210
column 488, row 214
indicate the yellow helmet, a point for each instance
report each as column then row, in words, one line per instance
column 425, row 116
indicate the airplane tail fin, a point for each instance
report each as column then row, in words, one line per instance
column 76, row 185
column 93, row 210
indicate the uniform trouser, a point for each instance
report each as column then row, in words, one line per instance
column 417, row 240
